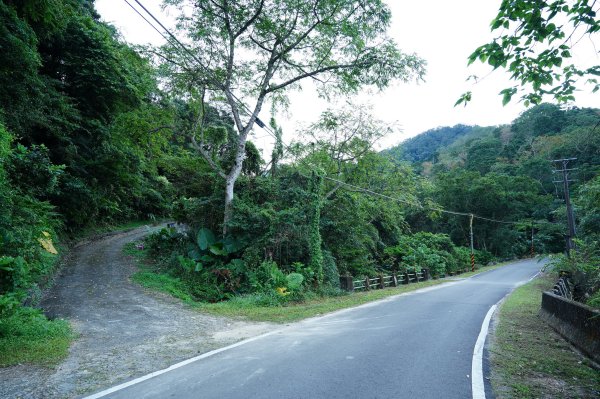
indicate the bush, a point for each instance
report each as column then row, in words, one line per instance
column 331, row 275
column 483, row 257
column 584, row 265
column 26, row 335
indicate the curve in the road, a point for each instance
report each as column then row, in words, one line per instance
column 414, row 345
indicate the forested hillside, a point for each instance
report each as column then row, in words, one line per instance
column 503, row 168
column 425, row 146
column 89, row 137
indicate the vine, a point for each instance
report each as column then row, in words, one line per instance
column 315, row 251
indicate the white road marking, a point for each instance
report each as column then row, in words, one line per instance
column 477, row 383
column 175, row 366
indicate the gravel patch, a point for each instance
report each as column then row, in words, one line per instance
column 123, row 331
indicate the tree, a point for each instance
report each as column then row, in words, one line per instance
column 535, row 47
column 263, row 48
column 339, row 139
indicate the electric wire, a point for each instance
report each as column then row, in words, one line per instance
column 268, row 130
column 209, row 73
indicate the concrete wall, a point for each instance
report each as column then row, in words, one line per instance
column 578, row 323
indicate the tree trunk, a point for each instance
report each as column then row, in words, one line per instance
column 231, row 178
column 229, row 184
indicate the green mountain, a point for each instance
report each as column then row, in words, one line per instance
column 425, row 146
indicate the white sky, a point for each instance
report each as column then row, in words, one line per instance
column 442, row 32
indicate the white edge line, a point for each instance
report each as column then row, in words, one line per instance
column 240, row 343
column 477, row 382
column 176, row 366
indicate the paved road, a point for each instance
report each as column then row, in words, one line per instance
column 412, row 346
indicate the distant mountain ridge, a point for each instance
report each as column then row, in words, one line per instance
column 425, row 146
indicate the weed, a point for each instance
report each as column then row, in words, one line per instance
column 26, row 336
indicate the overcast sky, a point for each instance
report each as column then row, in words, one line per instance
column 442, row 32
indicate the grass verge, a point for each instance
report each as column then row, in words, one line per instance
column 27, row 336
column 249, row 306
column 529, row 359
column 260, row 307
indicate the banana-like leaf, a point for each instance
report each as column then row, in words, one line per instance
column 205, row 238
column 218, row 250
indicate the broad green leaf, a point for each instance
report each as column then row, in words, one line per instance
column 198, row 267
column 205, row 238
column 217, row 250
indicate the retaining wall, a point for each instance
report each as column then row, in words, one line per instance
column 578, row 323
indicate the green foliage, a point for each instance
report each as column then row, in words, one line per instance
column 435, row 252
column 294, row 281
column 26, row 336
column 588, row 202
column 534, row 46
column 31, row 171
column 585, row 258
column 424, row 146
column 315, row 252
column 331, row 275
column 267, row 277
column 207, row 268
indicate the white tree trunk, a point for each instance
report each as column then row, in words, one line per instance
column 229, row 184
column 230, row 180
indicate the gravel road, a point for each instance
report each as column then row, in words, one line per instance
column 123, row 330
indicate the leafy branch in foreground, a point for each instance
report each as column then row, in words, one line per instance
column 535, row 47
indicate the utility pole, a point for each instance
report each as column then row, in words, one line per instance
column 471, row 236
column 532, row 247
column 563, row 164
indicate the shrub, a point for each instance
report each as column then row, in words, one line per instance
column 584, row 265
column 331, row 275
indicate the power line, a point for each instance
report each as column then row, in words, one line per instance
column 206, row 70
column 268, row 130
column 416, row 204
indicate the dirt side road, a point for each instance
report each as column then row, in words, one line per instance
column 123, row 331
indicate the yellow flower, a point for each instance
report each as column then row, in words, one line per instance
column 46, row 243
column 282, row 291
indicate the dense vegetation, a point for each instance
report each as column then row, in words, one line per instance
column 88, row 137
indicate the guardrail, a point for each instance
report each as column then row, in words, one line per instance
column 350, row 283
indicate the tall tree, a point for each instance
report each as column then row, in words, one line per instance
column 263, row 48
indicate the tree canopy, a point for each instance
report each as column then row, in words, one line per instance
column 263, row 48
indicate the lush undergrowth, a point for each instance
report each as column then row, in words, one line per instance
column 529, row 359
column 268, row 306
column 27, row 336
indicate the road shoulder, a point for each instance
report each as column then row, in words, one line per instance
column 529, row 359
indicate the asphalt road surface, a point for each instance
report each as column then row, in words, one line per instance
column 418, row 345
